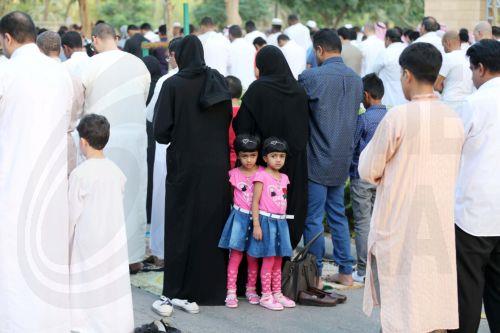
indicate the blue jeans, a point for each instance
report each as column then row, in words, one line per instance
column 330, row 199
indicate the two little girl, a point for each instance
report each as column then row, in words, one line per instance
column 257, row 223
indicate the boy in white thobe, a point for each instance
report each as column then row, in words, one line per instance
column 101, row 299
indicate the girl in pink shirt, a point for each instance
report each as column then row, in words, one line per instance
column 238, row 229
column 271, row 237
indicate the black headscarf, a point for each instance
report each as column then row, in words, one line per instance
column 190, row 59
column 274, row 71
column 154, row 68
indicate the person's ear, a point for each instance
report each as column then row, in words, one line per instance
column 481, row 69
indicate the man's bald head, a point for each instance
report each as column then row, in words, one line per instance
column 49, row 42
column 104, row 31
column 429, row 24
column 483, row 30
column 451, row 41
column 369, row 29
column 16, row 29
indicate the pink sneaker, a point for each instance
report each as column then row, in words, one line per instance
column 252, row 297
column 270, row 303
column 231, row 300
column 283, row 300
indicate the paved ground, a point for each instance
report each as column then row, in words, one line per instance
column 347, row 317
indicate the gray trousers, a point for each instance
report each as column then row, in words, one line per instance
column 362, row 198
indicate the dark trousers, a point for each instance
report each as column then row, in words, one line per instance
column 478, row 268
column 151, row 161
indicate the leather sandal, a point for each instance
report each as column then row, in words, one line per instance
column 311, row 299
column 339, row 297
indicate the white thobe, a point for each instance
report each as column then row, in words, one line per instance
column 159, row 177
column 250, row 37
column 241, row 61
column 477, row 211
column 300, row 34
column 431, row 38
column 216, row 51
column 370, row 48
column 75, row 65
column 116, row 86
column 35, row 99
column 101, row 299
column 388, row 69
column 295, row 56
column 272, row 39
column 457, row 84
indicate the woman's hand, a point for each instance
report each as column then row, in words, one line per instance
column 257, row 232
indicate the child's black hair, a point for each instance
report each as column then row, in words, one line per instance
column 234, row 85
column 423, row 60
column 274, row 145
column 373, row 85
column 95, row 129
column 246, row 143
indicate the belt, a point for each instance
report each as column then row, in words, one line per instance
column 244, row 211
column 277, row 216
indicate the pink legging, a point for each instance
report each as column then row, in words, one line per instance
column 232, row 271
column 270, row 275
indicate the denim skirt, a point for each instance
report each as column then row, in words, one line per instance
column 237, row 231
column 275, row 239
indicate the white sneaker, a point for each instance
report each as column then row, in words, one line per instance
column 163, row 307
column 358, row 278
column 183, row 304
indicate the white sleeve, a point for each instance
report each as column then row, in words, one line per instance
column 445, row 67
column 76, row 197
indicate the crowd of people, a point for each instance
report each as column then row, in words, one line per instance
column 244, row 140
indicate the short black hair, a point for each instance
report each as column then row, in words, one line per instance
column 328, row 40
column 283, row 37
column 250, row 25
column 293, row 18
column 413, row 36
column 104, row 31
column 146, row 26
column 487, row 53
column 353, row 34
column 496, row 31
column 72, row 39
column 464, row 35
column 235, row 31
column 207, row 21
column 344, row 33
column 423, row 60
column 62, row 30
column 162, row 29
column 99, row 22
column 95, row 129
column 393, row 35
column 19, row 25
column 259, row 41
column 245, row 143
column 430, row 24
column 132, row 27
column 398, row 28
column 373, row 85
column 274, row 145
column 234, row 85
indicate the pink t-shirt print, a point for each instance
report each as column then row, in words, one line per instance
column 243, row 187
column 274, row 192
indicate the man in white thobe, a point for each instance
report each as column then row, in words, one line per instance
column 428, row 33
column 276, row 24
column 388, row 69
column 215, row 46
column 241, row 57
column 252, row 32
column 35, row 99
column 298, row 32
column 370, row 48
column 294, row 55
column 455, row 77
column 116, row 86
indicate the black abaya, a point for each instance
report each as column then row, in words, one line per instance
column 275, row 105
column 197, row 187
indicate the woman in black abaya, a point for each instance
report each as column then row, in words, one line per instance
column 275, row 105
column 193, row 115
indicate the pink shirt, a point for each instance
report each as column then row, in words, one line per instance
column 243, row 187
column 274, row 192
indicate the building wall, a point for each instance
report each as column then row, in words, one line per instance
column 456, row 14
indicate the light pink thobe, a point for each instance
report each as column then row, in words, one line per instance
column 414, row 159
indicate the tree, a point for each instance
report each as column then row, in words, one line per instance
column 232, row 12
column 248, row 10
column 124, row 12
column 84, row 17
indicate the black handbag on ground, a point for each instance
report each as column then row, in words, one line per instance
column 300, row 272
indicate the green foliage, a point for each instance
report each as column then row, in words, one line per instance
column 249, row 10
column 124, row 12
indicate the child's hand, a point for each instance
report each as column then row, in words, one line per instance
column 257, row 233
